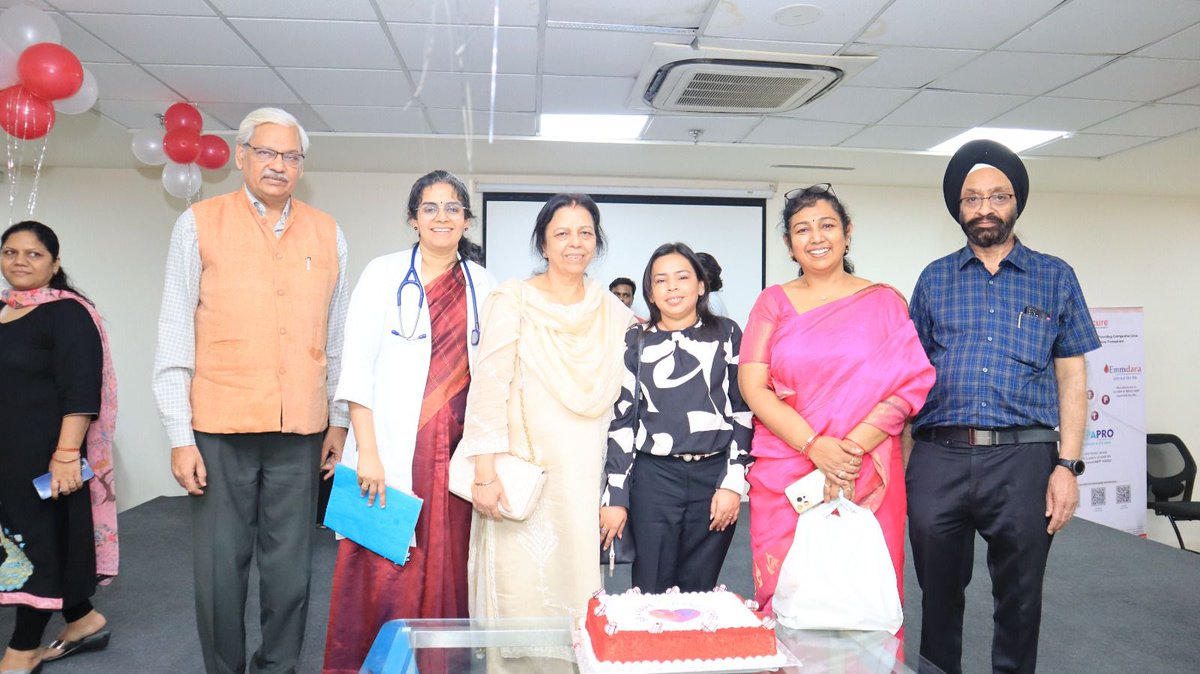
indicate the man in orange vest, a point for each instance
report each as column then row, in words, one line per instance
column 249, row 350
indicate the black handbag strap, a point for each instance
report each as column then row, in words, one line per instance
column 637, row 384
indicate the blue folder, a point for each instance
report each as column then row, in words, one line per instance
column 385, row 531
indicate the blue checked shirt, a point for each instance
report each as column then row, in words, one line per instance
column 993, row 339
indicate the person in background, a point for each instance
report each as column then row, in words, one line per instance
column 822, row 400
column 712, row 276
column 406, row 369
column 249, row 348
column 549, row 369
column 678, row 483
column 58, row 408
column 625, row 289
column 1006, row 328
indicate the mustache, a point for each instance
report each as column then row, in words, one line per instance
column 990, row 217
column 274, row 175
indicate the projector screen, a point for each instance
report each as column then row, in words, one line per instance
column 729, row 229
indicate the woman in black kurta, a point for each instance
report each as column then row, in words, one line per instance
column 51, row 364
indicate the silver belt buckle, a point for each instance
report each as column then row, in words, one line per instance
column 981, row 436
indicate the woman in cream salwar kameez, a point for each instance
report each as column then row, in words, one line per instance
column 549, row 369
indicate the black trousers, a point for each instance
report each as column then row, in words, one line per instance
column 954, row 491
column 669, row 505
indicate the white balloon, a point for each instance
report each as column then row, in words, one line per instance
column 24, row 25
column 8, row 67
column 147, row 146
column 181, row 180
column 82, row 100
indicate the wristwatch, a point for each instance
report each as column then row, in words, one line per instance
column 1074, row 465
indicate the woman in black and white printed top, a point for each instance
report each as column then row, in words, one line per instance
column 678, row 483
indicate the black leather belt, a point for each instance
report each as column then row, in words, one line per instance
column 987, row 437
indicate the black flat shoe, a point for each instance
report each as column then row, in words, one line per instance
column 95, row 642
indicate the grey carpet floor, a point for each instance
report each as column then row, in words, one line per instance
column 1113, row 602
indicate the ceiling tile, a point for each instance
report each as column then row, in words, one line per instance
column 125, row 81
column 800, row 132
column 1152, row 120
column 136, row 115
column 966, row 25
column 514, row 93
column 1019, row 72
column 949, row 108
column 346, row 10
column 506, row 123
column 1191, row 96
column 857, row 105
column 667, row 13
column 1060, row 114
column 573, row 52
column 777, row 46
column 319, row 44
column 448, row 48
column 172, row 7
column 838, row 21
column 724, row 129
column 473, row 12
column 372, row 119
column 902, row 137
column 1088, row 145
column 1105, row 26
column 585, row 95
column 907, row 67
column 1183, row 45
column 338, row 87
column 171, row 39
column 85, row 45
column 232, row 114
column 225, row 84
column 1134, row 79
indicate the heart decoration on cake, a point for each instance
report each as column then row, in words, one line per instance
column 678, row 615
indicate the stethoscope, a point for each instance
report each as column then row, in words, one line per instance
column 411, row 278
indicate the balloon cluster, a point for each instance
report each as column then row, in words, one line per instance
column 182, row 150
column 38, row 75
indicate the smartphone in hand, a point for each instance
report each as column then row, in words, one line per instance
column 42, row 482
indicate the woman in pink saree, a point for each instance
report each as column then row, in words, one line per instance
column 832, row 368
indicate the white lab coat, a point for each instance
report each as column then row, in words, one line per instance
column 387, row 372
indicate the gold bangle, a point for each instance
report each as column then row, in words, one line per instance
column 58, row 460
column 71, row 450
column 484, row 484
column 808, row 443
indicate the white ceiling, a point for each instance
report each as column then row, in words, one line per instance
column 1122, row 76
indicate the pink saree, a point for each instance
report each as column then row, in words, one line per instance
column 853, row 360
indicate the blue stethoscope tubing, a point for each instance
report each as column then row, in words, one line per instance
column 411, row 277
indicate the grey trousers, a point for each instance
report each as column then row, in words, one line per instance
column 261, row 498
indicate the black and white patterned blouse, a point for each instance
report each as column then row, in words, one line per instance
column 690, row 404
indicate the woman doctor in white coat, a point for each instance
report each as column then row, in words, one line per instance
column 411, row 333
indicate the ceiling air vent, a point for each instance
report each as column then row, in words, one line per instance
column 728, row 85
column 712, row 79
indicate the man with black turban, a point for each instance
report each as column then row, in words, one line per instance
column 1006, row 328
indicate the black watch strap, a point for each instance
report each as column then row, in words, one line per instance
column 1074, row 465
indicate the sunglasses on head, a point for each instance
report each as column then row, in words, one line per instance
column 801, row 192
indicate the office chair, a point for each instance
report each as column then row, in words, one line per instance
column 1171, row 472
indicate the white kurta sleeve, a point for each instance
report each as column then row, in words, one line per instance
column 485, row 429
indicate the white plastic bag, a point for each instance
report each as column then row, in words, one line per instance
column 838, row 574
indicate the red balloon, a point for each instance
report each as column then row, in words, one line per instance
column 182, row 116
column 24, row 115
column 182, row 146
column 214, row 152
column 50, row 71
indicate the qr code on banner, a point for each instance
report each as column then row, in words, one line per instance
column 1098, row 496
column 1124, row 493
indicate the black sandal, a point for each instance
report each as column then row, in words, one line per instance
column 94, row 642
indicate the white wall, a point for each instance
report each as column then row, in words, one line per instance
column 1128, row 250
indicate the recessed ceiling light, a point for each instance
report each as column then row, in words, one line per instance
column 584, row 128
column 1017, row 140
